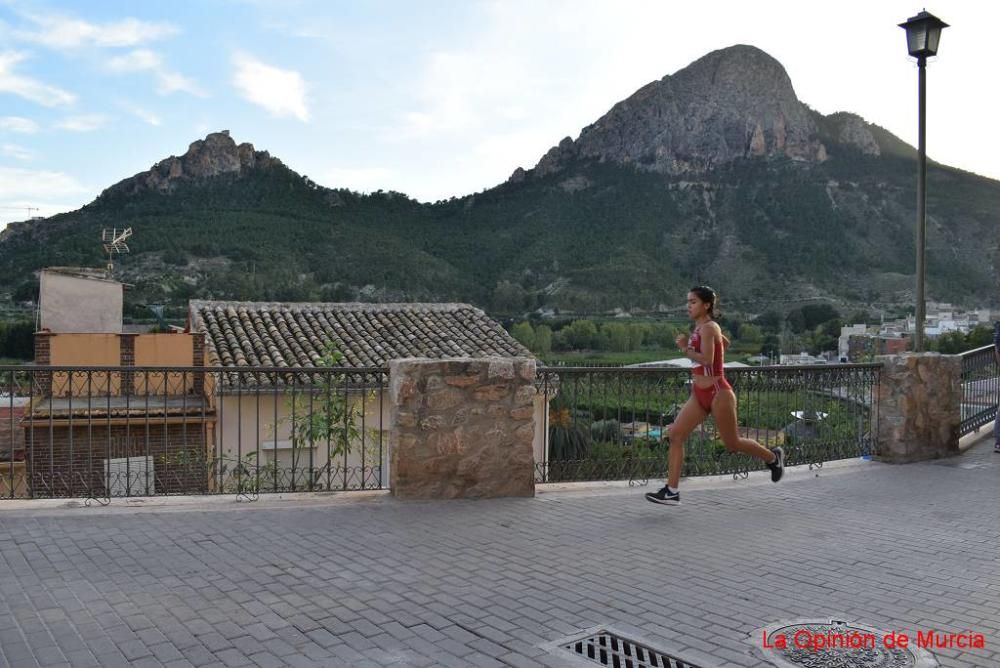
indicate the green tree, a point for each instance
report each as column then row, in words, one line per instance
column 543, row 340
column 322, row 414
column 638, row 334
column 796, row 321
column 978, row 337
column 816, row 314
column 826, row 336
column 751, row 333
column 770, row 346
column 26, row 291
column 525, row 334
column 580, row 335
column 615, row 336
column 663, row 335
column 509, row 297
column 769, row 321
column 17, row 340
column 950, row 343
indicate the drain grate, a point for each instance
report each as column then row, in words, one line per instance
column 610, row 649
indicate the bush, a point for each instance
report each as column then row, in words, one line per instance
column 606, row 430
column 568, row 443
column 17, row 340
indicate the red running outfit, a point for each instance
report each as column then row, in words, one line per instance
column 705, row 395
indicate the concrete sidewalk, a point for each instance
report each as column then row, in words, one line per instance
column 367, row 580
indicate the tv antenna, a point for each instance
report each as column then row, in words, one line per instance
column 114, row 242
column 29, row 209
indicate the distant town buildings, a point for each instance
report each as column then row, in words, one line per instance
column 859, row 342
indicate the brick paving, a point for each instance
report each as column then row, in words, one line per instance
column 371, row 581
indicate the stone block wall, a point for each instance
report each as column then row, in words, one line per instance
column 462, row 428
column 920, row 399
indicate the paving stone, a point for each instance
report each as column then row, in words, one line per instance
column 490, row 582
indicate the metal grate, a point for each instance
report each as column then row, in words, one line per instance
column 609, row 649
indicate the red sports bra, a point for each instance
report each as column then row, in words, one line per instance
column 701, row 369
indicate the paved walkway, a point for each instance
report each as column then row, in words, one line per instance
column 368, row 580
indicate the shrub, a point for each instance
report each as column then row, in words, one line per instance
column 606, row 430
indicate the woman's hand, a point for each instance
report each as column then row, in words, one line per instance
column 681, row 341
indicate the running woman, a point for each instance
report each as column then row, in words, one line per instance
column 710, row 393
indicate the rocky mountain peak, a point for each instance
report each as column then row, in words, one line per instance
column 217, row 154
column 733, row 103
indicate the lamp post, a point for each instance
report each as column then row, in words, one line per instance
column 923, row 33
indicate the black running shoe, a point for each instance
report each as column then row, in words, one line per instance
column 778, row 465
column 665, row 496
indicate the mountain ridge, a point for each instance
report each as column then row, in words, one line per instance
column 715, row 173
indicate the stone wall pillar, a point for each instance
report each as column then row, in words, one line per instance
column 462, row 428
column 920, row 402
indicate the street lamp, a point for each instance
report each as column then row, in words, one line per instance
column 923, row 33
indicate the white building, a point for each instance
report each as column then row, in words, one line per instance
column 846, row 332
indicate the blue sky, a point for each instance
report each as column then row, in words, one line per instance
column 433, row 98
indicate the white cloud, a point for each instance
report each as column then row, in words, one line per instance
column 145, row 60
column 361, row 179
column 28, row 88
column 136, row 61
column 173, row 82
column 142, row 113
column 24, row 126
column 86, row 123
column 28, row 184
column 63, row 32
column 16, row 152
column 281, row 92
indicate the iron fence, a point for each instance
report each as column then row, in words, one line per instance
column 103, row 432
column 611, row 423
column 980, row 388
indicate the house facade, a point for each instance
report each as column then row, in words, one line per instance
column 102, row 420
column 260, row 407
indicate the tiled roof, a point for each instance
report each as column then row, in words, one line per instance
column 258, row 334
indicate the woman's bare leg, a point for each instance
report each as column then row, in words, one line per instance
column 691, row 415
column 724, row 411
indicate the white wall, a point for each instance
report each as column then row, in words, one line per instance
column 78, row 305
column 241, row 425
column 248, row 425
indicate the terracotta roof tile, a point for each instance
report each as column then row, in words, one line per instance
column 261, row 334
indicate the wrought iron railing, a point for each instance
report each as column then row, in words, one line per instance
column 612, row 423
column 103, row 432
column 980, row 388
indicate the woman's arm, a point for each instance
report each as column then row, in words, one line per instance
column 709, row 332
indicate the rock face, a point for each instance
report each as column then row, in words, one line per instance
column 215, row 155
column 732, row 103
column 854, row 131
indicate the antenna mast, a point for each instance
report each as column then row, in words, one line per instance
column 114, row 242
